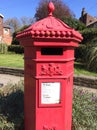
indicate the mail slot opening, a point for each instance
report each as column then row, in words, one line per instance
column 51, row 51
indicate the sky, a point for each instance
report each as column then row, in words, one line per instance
column 20, row 8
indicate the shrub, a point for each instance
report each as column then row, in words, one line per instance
column 90, row 53
column 74, row 23
column 12, row 114
column 3, row 48
column 91, row 57
column 16, row 48
column 85, row 50
column 11, row 107
column 88, row 34
column 15, row 41
column 80, row 53
column 84, row 110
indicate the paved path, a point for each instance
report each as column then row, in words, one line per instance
column 5, row 79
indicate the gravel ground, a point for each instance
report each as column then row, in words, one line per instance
column 5, row 79
column 91, row 90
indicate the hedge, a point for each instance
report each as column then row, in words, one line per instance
column 74, row 23
column 89, row 39
column 16, row 48
column 15, row 41
column 89, row 35
column 91, row 57
column 80, row 52
column 3, row 48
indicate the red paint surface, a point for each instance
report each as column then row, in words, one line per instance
column 48, row 33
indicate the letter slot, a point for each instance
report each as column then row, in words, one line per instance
column 51, row 51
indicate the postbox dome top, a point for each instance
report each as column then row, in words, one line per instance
column 50, row 27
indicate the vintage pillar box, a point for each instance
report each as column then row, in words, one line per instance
column 49, row 62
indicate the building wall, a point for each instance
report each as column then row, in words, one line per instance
column 90, row 19
column 92, row 25
column 5, row 35
column 1, row 27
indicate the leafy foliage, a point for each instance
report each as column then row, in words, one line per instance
column 16, row 48
column 84, row 110
column 11, row 107
column 89, row 35
column 14, row 39
column 80, row 53
column 74, row 23
column 91, row 57
column 87, row 52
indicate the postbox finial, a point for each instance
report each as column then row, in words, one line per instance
column 51, row 8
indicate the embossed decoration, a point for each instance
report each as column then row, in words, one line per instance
column 51, row 69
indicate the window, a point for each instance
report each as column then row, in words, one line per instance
column 6, row 31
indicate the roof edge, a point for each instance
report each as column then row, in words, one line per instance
column 1, row 16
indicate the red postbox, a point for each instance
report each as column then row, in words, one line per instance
column 49, row 58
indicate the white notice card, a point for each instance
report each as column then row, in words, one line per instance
column 50, row 93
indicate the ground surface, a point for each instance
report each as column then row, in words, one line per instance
column 5, row 79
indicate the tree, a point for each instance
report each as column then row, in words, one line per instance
column 26, row 20
column 17, row 24
column 14, row 23
column 61, row 10
column 14, row 39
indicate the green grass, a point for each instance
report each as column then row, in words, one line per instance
column 12, row 60
column 16, row 61
column 80, row 69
